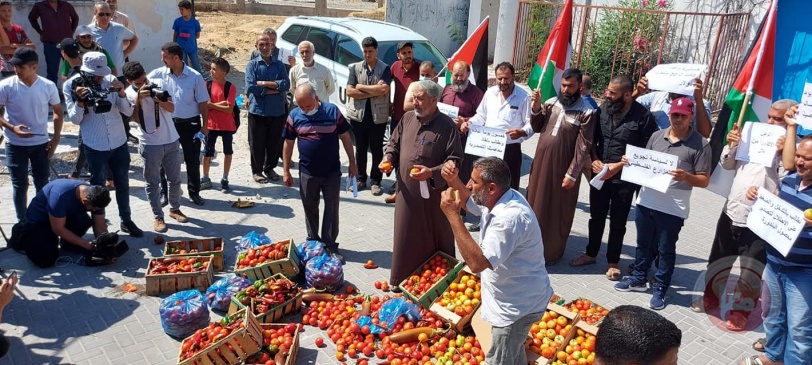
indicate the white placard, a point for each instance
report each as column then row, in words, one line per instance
column 486, row 142
column 675, row 77
column 804, row 116
column 775, row 221
column 757, row 143
column 649, row 168
column 721, row 180
column 284, row 54
column 597, row 181
column 450, row 110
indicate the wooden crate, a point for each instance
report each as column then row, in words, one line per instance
column 460, row 324
column 294, row 349
column 439, row 287
column 290, row 306
column 288, row 266
column 173, row 283
column 232, row 349
column 205, row 246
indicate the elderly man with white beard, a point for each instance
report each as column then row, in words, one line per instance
column 466, row 96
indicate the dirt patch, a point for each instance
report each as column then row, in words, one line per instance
column 377, row 14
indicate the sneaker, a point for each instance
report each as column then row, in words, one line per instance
column 159, row 225
column 376, row 189
column 335, row 253
column 197, row 200
column 178, row 216
column 472, row 227
column 657, row 301
column 704, row 304
column 130, row 228
column 205, row 183
column 260, row 179
column 631, row 284
column 224, row 185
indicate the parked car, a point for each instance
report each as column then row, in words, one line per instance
column 338, row 44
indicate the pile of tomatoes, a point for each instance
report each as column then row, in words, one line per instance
column 463, row 296
column 262, row 254
column 587, row 310
column 172, row 265
column 579, row 351
column 277, row 344
column 205, row 337
column 547, row 335
column 431, row 272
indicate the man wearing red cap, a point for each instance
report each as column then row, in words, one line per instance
column 660, row 216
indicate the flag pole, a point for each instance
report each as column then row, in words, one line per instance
column 757, row 66
column 546, row 62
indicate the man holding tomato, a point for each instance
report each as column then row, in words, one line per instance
column 509, row 256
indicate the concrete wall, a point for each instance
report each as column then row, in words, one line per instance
column 153, row 21
column 479, row 10
column 434, row 19
column 245, row 7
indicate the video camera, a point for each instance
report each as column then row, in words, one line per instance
column 96, row 97
column 155, row 91
column 106, row 249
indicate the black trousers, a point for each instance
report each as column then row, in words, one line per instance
column 41, row 244
column 311, row 189
column 264, row 139
column 369, row 136
column 615, row 197
column 187, row 128
column 729, row 243
column 513, row 158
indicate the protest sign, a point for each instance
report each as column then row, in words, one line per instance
column 675, row 77
column 757, row 143
column 775, row 221
column 649, row 168
column 804, row 116
column 451, row 111
column 486, row 142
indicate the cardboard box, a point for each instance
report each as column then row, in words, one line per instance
column 439, row 287
column 536, row 359
column 590, row 327
column 288, row 266
column 460, row 324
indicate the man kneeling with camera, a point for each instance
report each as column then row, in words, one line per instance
column 94, row 99
column 59, row 211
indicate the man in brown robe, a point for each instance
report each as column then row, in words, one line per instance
column 421, row 143
column 566, row 126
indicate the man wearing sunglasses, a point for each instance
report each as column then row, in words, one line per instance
column 111, row 35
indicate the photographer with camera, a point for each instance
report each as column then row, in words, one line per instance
column 159, row 144
column 94, row 100
column 60, row 211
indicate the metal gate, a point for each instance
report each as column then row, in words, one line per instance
column 612, row 40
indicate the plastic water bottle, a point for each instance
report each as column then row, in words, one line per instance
column 241, row 101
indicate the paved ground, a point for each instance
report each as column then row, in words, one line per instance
column 72, row 314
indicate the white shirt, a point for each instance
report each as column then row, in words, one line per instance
column 187, row 90
column 318, row 76
column 28, row 106
column 510, row 113
column 100, row 132
column 166, row 132
column 510, row 238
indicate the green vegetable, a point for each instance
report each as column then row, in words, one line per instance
column 241, row 256
column 198, row 264
column 258, row 283
column 273, row 349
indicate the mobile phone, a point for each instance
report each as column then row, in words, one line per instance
column 13, row 275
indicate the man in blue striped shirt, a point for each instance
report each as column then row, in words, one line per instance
column 103, row 135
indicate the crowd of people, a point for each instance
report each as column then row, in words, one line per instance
column 179, row 110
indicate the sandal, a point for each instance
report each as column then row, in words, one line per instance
column 260, row 179
column 759, row 344
column 583, row 260
column 752, row 360
column 613, row 274
column 735, row 321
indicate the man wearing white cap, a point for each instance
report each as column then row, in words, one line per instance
column 94, row 100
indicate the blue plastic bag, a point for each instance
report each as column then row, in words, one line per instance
column 324, row 272
column 396, row 307
column 310, row 249
column 183, row 313
column 373, row 328
column 218, row 295
column 252, row 240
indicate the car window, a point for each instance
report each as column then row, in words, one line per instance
column 292, row 34
column 423, row 51
column 322, row 40
column 348, row 51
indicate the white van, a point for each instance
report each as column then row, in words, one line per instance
column 338, row 44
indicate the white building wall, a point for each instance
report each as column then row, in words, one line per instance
column 434, row 19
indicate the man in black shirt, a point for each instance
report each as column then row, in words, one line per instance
column 622, row 121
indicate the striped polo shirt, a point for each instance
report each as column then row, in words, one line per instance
column 317, row 138
column 801, row 252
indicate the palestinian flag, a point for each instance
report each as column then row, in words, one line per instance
column 475, row 52
column 756, row 79
column 554, row 57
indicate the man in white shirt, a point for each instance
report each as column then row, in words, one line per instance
column 27, row 98
column 510, row 254
column 159, row 147
column 506, row 107
column 309, row 71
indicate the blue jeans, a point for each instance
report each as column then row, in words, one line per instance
column 657, row 234
column 788, row 292
column 52, row 59
column 193, row 60
column 17, row 158
column 118, row 161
